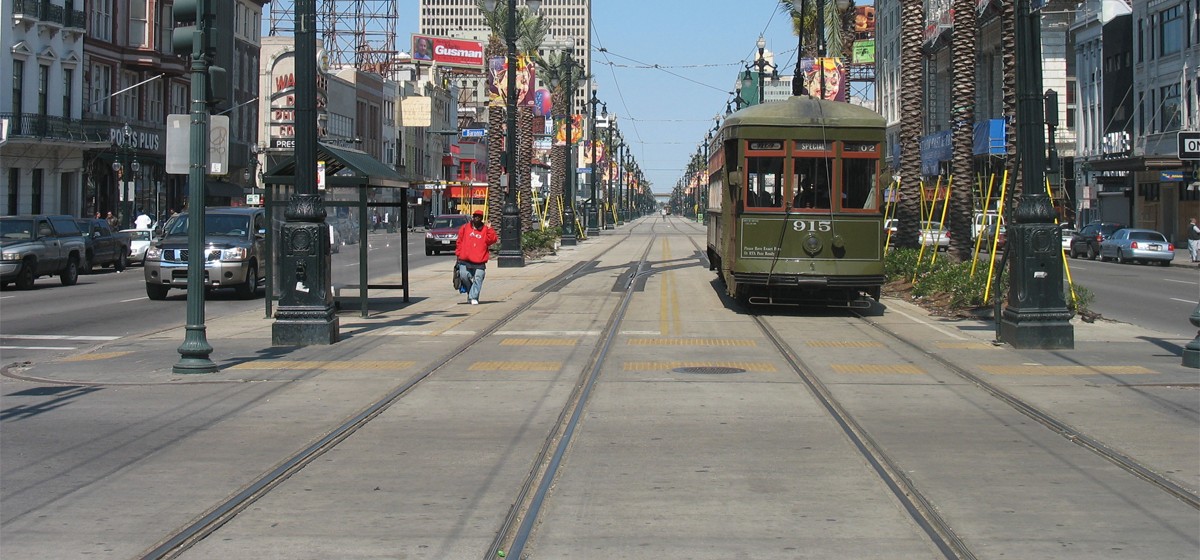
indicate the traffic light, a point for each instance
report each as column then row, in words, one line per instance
column 207, row 27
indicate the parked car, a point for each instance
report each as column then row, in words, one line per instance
column 985, row 244
column 1087, row 240
column 1137, row 245
column 105, row 247
column 890, row 226
column 139, row 241
column 932, row 235
column 443, row 233
column 234, row 246
column 40, row 245
column 1067, row 234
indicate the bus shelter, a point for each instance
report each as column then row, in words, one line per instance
column 367, row 257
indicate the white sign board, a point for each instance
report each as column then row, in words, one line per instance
column 179, row 144
column 1189, row 145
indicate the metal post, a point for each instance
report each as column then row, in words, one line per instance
column 306, row 314
column 195, row 350
column 798, row 80
column 593, row 221
column 620, row 183
column 1036, row 315
column 568, row 226
column 511, row 255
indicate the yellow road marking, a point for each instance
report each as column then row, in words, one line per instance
column 96, row 356
column 326, row 365
column 691, row 342
column 1066, row 370
column 662, row 366
column 515, row 366
column 907, row 369
column 539, row 342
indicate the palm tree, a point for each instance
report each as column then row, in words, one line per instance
column 563, row 77
column 962, row 118
column 531, row 33
column 1008, row 46
column 912, row 110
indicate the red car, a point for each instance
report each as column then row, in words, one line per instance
column 442, row 234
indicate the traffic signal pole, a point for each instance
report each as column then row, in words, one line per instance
column 195, row 350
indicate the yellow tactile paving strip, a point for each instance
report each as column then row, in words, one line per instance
column 1066, row 370
column 539, row 342
column 515, row 366
column 663, row 366
column 93, row 357
column 844, row 344
column 325, row 365
column 691, row 342
column 907, row 369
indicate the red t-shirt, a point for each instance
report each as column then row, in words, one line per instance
column 472, row 245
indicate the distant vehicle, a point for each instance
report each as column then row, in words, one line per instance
column 1067, row 234
column 1137, row 245
column 234, row 245
column 1087, row 240
column 932, row 235
column 40, row 245
column 890, row 226
column 105, row 247
column 139, row 241
column 442, row 234
column 985, row 244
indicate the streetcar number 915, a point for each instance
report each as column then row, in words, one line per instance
column 812, row 225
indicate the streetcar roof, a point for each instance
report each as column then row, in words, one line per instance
column 806, row 110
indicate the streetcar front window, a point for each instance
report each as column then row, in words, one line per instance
column 859, row 179
column 764, row 182
column 813, row 180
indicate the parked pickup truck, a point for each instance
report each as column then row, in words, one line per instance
column 39, row 245
column 105, row 247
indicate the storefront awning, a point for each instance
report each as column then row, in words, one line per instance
column 344, row 167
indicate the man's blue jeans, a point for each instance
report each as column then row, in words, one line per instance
column 472, row 277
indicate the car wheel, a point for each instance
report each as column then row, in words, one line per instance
column 71, row 275
column 25, row 278
column 249, row 288
column 428, row 252
column 121, row 262
column 157, row 292
column 1121, row 257
column 1091, row 253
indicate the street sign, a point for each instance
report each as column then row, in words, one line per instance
column 179, row 134
column 474, row 132
column 1189, row 145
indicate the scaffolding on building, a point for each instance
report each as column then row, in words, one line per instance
column 358, row 34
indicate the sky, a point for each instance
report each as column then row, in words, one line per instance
column 669, row 68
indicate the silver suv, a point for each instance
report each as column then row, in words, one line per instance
column 234, row 245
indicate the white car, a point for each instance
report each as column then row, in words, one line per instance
column 139, row 241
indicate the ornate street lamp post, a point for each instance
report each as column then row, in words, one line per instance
column 609, row 152
column 1036, row 315
column 511, row 254
column 566, row 79
column 761, row 64
column 593, row 220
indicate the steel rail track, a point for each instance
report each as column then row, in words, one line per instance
column 523, row 515
column 180, row 540
column 1125, row 462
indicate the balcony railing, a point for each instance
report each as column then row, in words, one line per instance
column 45, row 127
column 28, row 8
column 53, row 13
column 78, row 19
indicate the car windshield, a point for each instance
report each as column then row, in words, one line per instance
column 1147, row 236
column 214, row 224
column 930, row 225
column 449, row 223
column 138, row 234
column 16, row 229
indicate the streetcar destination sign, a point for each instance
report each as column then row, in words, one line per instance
column 1189, row 145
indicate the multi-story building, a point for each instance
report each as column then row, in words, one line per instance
column 42, row 158
column 566, row 19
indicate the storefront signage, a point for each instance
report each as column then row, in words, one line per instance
column 1189, row 145
column 282, row 116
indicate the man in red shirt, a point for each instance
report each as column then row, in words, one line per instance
column 474, row 238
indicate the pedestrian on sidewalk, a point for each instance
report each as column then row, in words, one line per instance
column 474, row 238
column 1194, row 240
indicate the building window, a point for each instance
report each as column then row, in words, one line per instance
column 1170, row 30
column 68, row 80
column 66, row 181
column 18, row 79
column 154, row 102
column 35, row 194
column 179, row 99
column 1169, row 101
column 129, row 96
column 100, row 23
column 14, row 189
column 101, row 88
column 43, row 89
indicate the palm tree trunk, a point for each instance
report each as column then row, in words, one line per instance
column 558, row 163
column 912, row 111
column 524, row 165
column 962, row 119
column 495, row 155
column 1008, row 46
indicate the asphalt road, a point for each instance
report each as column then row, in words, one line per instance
column 1154, row 297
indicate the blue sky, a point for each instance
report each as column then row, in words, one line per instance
column 699, row 47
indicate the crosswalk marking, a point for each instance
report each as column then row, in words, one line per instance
column 58, row 337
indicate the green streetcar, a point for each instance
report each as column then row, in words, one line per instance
column 795, row 203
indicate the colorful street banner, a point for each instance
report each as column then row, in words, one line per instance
column 864, row 52
column 832, row 71
column 448, row 52
column 497, row 81
column 560, row 129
